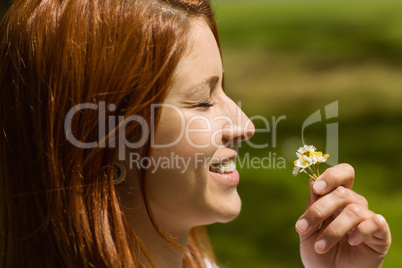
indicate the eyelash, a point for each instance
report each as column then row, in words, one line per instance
column 205, row 104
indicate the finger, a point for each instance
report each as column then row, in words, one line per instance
column 302, row 224
column 376, row 226
column 328, row 205
column 313, row 196
column 351, row 216
column 340, row 175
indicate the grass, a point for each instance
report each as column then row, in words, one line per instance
column 292, row 58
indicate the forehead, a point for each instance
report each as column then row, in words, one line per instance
column 202, row 61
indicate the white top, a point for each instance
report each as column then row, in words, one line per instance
column 209, row 264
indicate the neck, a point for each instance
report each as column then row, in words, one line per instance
column 158, row 249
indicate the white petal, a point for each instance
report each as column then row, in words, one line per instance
column 296, row 171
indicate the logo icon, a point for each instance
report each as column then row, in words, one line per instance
column 332, row 138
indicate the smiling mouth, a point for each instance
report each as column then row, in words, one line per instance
column 223, row 167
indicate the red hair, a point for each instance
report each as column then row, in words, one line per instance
column 58, row 203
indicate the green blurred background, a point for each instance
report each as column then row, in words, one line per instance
column 293, row 58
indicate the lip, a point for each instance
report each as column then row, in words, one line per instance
column 229, row 179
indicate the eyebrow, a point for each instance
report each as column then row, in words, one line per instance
column 210, row 82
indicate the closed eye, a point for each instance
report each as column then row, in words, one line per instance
column 205, row 104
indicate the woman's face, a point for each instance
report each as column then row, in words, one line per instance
column 198, row 130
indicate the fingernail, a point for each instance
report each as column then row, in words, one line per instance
column 354, row 240
column 320, row 245
column 319, row 186
column 302, row 225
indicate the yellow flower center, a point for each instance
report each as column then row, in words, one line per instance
column 308, row 154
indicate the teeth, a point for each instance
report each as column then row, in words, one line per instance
column 226, row 167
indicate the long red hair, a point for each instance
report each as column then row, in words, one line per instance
column 58, row 204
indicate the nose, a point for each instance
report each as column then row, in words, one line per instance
column 242, row 128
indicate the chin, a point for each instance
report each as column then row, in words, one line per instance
column 230, row 210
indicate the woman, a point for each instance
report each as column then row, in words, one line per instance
column 87, row 180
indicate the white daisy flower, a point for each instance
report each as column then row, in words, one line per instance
column 319, row 158
column 296, row 171
column 303, row 162
column 307, row 150
column 308, row 161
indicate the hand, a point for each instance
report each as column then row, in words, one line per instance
column 337, row 229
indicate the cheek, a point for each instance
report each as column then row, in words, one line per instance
column 200, row 133
column 170, row 129
column 186, row 134
column 188, row 150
